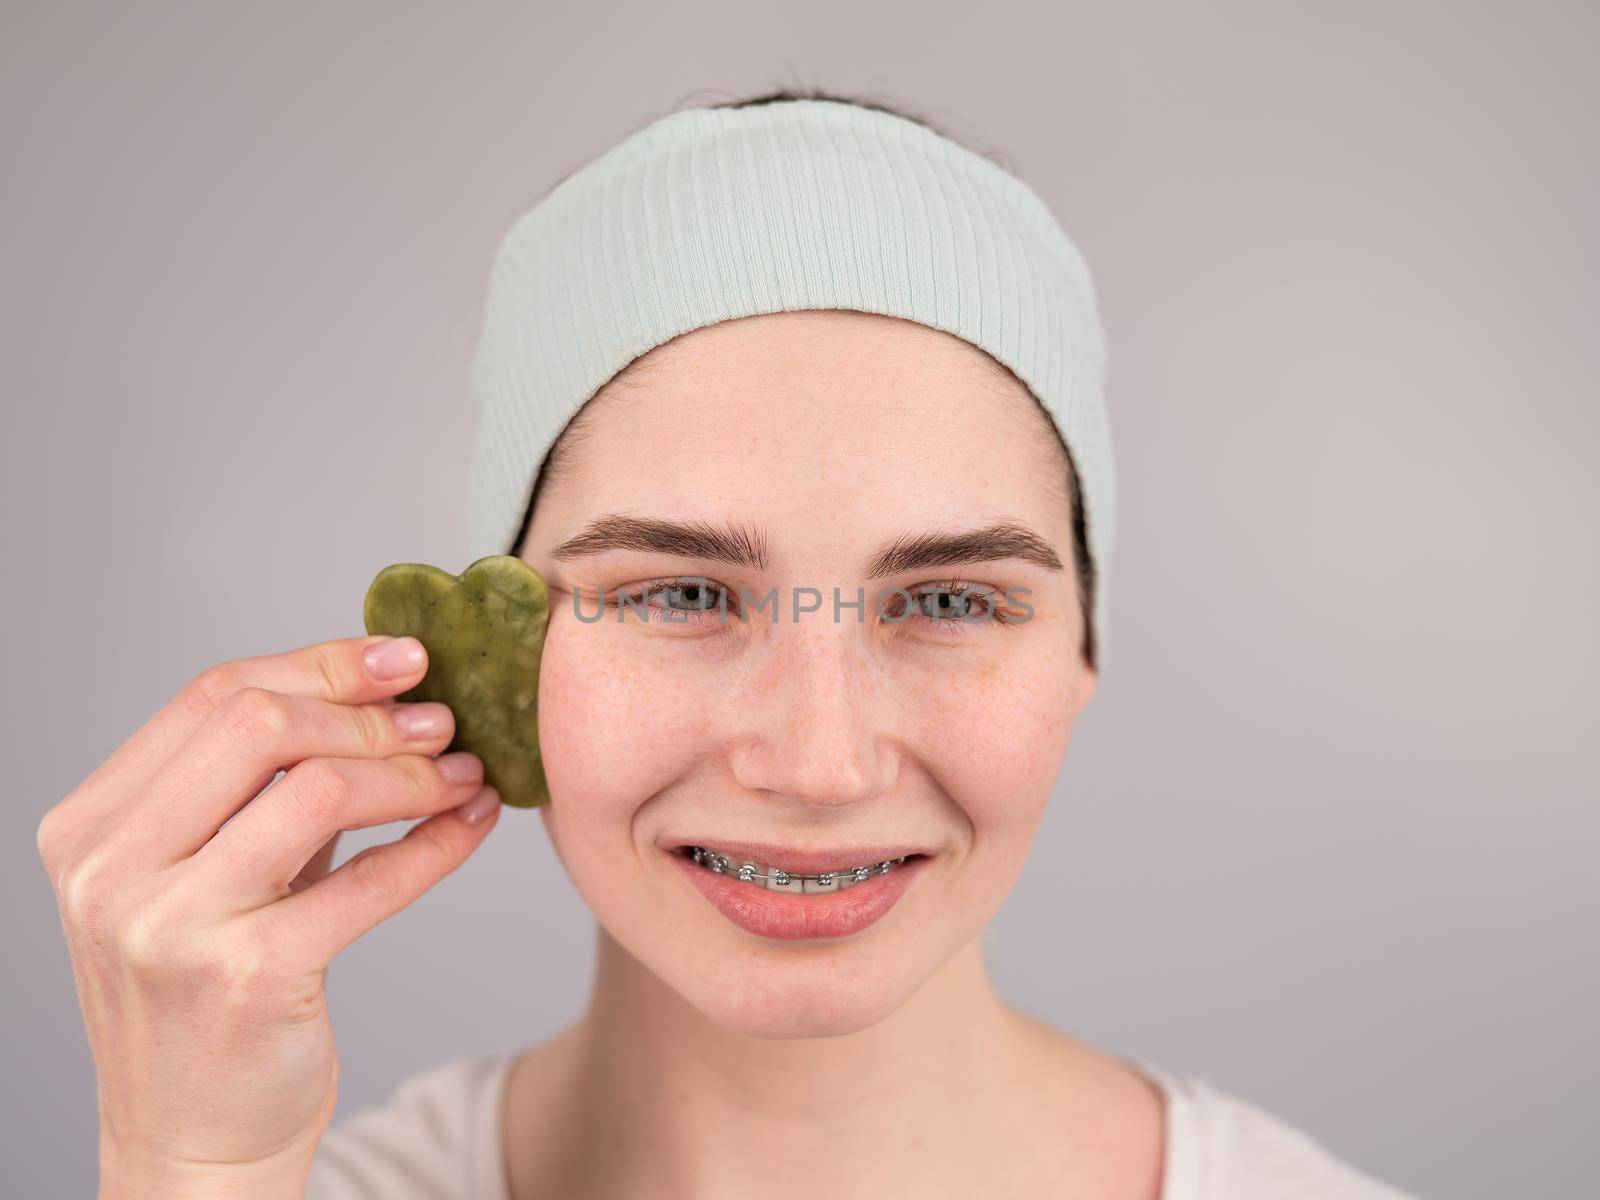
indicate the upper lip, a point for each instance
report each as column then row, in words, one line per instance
column 804, row 862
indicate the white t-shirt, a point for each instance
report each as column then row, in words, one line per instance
column 438, row 1138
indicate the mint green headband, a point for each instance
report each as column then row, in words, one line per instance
column 713, row 213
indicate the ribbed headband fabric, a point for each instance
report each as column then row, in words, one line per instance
column 708, row 214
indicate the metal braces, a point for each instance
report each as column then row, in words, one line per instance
column 720, row 864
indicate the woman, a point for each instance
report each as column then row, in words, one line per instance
column 828, row 563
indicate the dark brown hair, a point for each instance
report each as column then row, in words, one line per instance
column 559, row 451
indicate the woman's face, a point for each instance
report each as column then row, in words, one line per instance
column 822, row 443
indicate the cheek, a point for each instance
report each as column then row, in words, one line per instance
column 616, row 725
column 998, row 732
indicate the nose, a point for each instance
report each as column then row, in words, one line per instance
column 815, row 720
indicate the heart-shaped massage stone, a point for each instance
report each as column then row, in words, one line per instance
column 484, row 633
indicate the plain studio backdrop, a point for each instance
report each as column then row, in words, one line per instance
column 1326, row 835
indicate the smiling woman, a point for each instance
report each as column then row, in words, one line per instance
column 846, row 512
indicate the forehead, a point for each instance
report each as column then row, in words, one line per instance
column 816, row 416
column 822, row 347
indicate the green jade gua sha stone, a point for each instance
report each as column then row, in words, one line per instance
column 484, row 633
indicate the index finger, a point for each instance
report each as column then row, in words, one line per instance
column 356, row 670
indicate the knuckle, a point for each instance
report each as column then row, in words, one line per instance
column 207, row 691
column 421, row 775
column 375, row 876
column 55, row 828
column 234, row 967
column 438, row 838
column 323, row 791
column 374, row 728
column 160, row 952
column 332, row 669
column 248, row 963
column 84, row 889
column 254, row 714
column 147, row 936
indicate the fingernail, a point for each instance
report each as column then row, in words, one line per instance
column 480, row 806
column 417, row 721
column 393, row 658
column 463, row 766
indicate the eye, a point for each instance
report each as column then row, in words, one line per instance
column 950, row 604
column 685, row 600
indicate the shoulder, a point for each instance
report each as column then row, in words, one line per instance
column 436, row 1136
column 1223, row 1147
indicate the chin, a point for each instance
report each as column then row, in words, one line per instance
column 795, row 1000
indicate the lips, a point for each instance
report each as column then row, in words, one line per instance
column 789, row 916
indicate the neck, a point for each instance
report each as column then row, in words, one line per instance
column 701, row 1109
column 644, row 1095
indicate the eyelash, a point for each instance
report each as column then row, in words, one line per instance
column 998, row 614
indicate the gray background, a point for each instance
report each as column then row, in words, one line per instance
column 1325, row 834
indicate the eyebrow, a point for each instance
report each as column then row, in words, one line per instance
column 747, row 548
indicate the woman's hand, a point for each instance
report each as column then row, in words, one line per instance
column 199, row 948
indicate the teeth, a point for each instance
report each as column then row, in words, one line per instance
column 776, row 879
column 779, row 880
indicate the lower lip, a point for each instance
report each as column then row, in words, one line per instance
column 790, row 916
